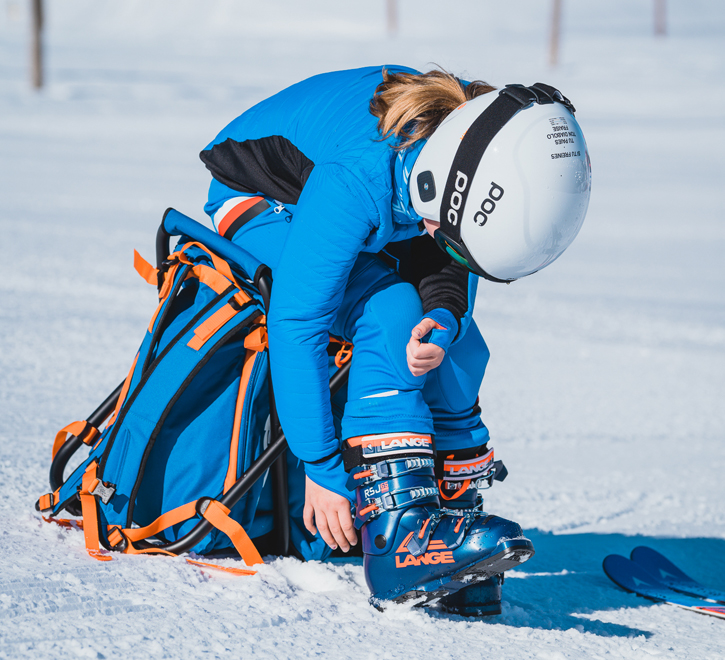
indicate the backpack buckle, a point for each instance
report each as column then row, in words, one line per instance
column 117, row 539
column 104, row 491
column 203, row 504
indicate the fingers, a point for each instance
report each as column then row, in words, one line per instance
column 324, row 529
column 423, row 357
column 329, row 515
column 336, row 528
column 423, row 328
column 308, row 515
column 348, row 526
column 424, row 352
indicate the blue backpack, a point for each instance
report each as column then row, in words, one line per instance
column 183, row 462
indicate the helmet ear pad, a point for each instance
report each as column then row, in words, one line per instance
column 426, row 186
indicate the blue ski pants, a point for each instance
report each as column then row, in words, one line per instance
column 377, row 314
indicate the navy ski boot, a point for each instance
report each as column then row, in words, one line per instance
column 413, row 548
column 461, row 475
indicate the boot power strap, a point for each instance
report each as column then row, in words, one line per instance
column 367, row 449
column 367, row 474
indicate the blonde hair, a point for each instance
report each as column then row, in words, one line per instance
column 410, row 106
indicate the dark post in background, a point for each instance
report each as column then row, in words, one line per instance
column 36, row 45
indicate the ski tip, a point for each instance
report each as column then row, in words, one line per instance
column 644, row 554
column 638, row 551
column 610, row 566
column 650, row 558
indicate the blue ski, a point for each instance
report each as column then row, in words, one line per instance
column 667, row 573
column 638, row 580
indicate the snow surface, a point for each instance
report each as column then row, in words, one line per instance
column 604, row 394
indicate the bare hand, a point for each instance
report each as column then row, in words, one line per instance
column 423, row 357
column 330, row 513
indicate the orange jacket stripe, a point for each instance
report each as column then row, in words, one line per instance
column 235, row 212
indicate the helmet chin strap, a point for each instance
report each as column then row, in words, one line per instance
column 474, row 143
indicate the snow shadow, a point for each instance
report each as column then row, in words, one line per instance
column 563, row 586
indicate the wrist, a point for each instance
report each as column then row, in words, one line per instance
column 329, row 473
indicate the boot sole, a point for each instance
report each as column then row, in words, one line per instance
column 510, row 554
column 477, row 610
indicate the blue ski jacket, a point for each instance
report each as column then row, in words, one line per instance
column 315, row 148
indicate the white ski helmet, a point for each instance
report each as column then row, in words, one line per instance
column 508, row 176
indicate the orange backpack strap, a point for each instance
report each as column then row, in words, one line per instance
column 212, row 278
column 173, row 517
column 217, row 567
column 218, row 515
column 89, row 507
column 124, row 393
column 207, row 329
column 231, row 477
column 145, row 269
column 82, row 430
column 48, row 501
column 219, row 263
column 215, row 512
column 257, row 340
column 67, row 523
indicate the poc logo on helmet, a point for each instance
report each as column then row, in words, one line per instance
column 488, row 205
column 457, row 198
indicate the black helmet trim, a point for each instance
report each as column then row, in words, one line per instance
column 474, row 143
column 461, row 255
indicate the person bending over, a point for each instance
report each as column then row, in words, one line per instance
column 379, row 197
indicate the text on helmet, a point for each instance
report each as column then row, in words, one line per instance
column 457, row 198
column 488, row 205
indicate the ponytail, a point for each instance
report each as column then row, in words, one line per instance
column 410, row 106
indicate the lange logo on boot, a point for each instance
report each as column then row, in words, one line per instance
column 395, row 443
column 437, row 553
column 466, row 469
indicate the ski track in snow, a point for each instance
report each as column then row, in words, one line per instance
column 605, row 388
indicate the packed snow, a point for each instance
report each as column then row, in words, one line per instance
column 604, row 394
